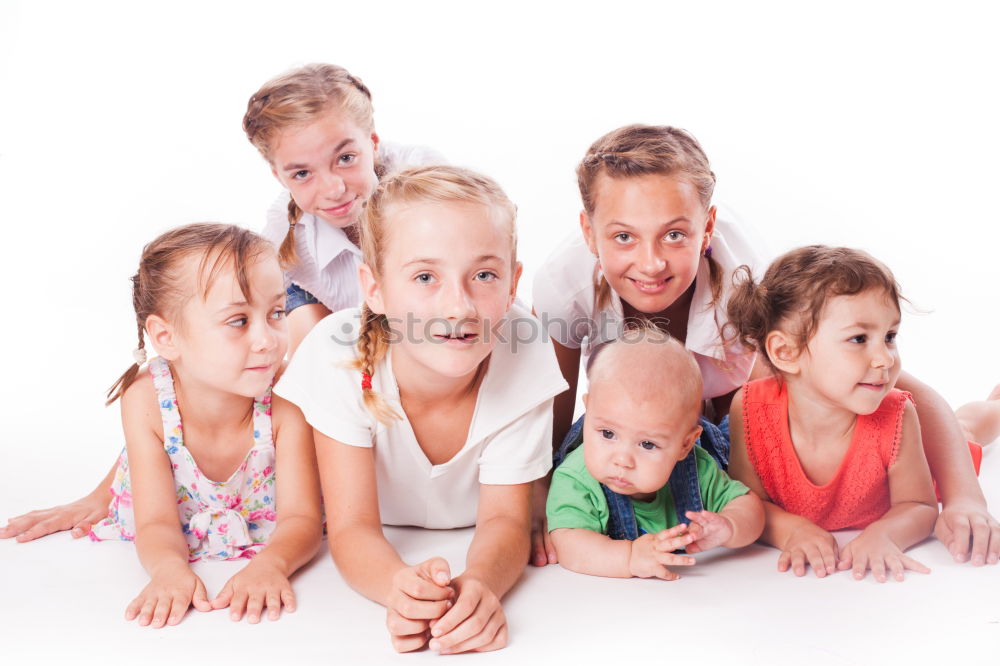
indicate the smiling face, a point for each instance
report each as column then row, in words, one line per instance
column 222, row 341
column 447, row 276
column 328, row 166
column 852, row 360
column 649, row 233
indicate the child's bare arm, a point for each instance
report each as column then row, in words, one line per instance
column 964, row 518
column 738, row 524
column 880, row 546
column 159, row 540
column 496, row 559
column 412, row 595
column 801, row 541
column 264, row 582
column 77, row 517
column 597, row 554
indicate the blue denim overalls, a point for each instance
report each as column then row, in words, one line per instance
column 683, row 482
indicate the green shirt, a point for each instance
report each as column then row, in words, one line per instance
column 577, row 501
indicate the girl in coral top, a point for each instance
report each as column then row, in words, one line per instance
column 827, row 441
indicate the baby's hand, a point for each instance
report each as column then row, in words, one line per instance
column 476, row 622
column 419, row 594
column 76, row 516
column 167, row 597
column 708, row 530
column 258, row 585
column 876, row 551
column 652, row 553
column 809, row 543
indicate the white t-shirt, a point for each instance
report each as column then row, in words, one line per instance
column 328, row 261
column 564, row 299
column 509, row 440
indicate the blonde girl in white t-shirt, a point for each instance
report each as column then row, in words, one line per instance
column 655, row 248
column 431, row 406
column 314, row 126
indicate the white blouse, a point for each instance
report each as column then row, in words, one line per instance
column 564, row 298
column 328, row 260
column 509, row 439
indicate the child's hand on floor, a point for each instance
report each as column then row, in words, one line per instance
column 78, row 517
column 167, row 597
column 419, row 594
column 707, row 530
column 873, row 549
column 652, row 553
column 809, row 543
column 257, row 586
column 476, row 622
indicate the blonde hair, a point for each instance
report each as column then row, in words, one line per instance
column 427, row 184
column 639, row 150
column 298, row 97
column 161, row 285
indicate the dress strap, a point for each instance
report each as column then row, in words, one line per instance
column 163, row 381
column 262, row 419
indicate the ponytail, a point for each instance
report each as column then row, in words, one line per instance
column 373, row 344
column 121, row 385
column 749, row 312
column 287, row 256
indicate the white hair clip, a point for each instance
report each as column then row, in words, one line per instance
column 139, row 355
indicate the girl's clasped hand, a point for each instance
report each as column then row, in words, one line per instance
column 366, row 392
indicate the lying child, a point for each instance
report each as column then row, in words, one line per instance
column 642, row 421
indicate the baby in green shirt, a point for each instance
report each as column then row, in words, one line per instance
column 642, row 415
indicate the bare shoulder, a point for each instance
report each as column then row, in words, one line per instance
column 140, row 406
column 286, row 416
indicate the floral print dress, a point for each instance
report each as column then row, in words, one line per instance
column 222, row 520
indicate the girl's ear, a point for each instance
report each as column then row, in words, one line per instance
column 515, row 278
column 689, row 441
column 162, row 337
column 782, row 351
column 588, row 232
column 375, row 141
column 709, row 228
column 370, row 289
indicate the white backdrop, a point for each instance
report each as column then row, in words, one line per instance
column 865, row 124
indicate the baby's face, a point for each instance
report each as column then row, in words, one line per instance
column 631, row 442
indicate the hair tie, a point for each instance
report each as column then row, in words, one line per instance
column 291, row 225
column 366, row 381
column 139, row 355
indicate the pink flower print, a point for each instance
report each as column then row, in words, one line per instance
column 222, row 528
column 268, row 470
column 263, row 514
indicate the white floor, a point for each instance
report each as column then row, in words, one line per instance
column 63, row 602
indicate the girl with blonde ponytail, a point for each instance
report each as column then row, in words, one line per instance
column 315, row 127
column 431, row 406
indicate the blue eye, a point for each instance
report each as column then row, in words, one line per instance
column 348, row 158
column 623, row 237
column 859, row 339
column 486, row 276
column 424, row 278
column 674, row 236
column 278, row 314
column 301, row 174
column 237, row 322
column 648, row 445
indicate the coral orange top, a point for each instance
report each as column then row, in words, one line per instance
column 858, row 494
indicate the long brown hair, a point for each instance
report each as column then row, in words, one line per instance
column 436, row 184
column 160, row 286
column 296, row 98
column 796, row 287
column 639, row 150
